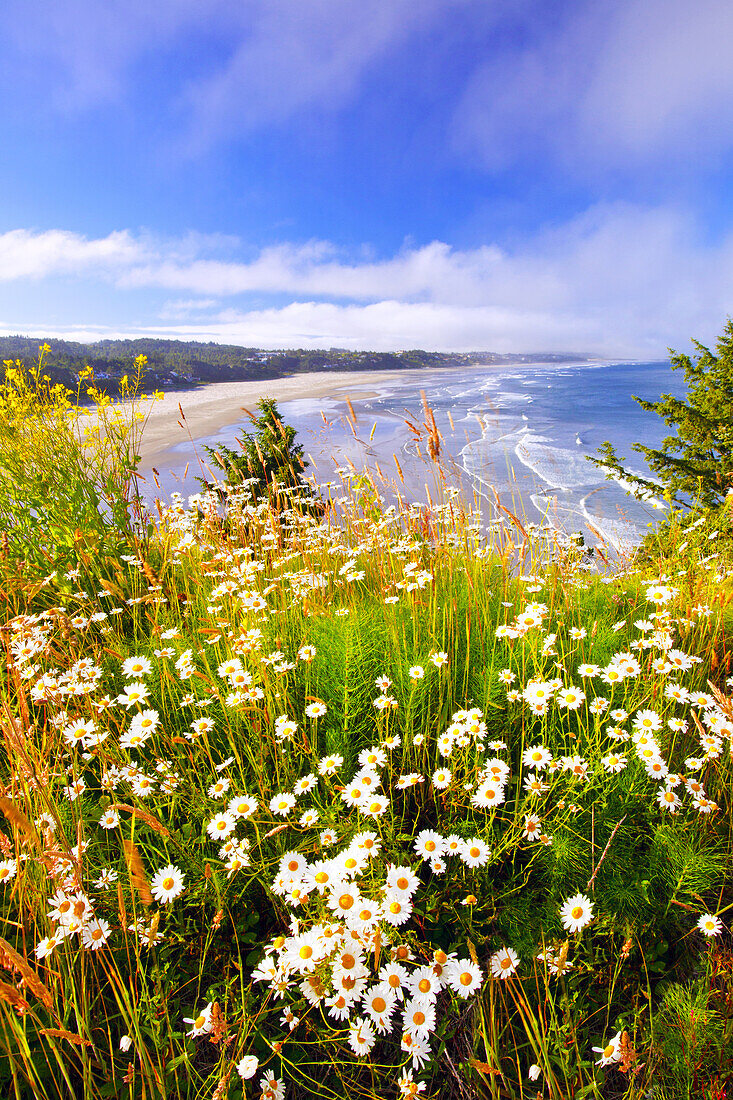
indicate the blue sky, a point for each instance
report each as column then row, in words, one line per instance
column 515, row 175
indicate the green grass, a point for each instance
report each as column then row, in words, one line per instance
column 375, row 595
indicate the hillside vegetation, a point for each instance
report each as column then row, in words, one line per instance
column 303, row 795
column 182, row 363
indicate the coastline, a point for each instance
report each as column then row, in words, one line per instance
column 221, row 404
column 519, row 430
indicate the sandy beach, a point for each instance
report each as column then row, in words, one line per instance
column 522, row 430
column 219, row 404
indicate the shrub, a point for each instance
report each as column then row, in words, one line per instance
column 268, row 461
column 67, row 471
column 696, row 462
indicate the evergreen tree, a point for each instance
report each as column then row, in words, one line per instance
column 269, row 458
column 697, row 461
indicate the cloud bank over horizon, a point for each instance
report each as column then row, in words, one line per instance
column 617, row 280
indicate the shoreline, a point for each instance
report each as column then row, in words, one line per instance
column 480, row 452
column 220, row 404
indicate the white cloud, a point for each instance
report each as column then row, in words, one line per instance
column 262, row 61
column 290, row 56
column 583, row 82
column 587, row 84
column 28, row 255
column 380, row 326
column 617, row 85
column 34, row 254
column 181, row 309
column 618, row 279
column 79, row 53
column 663, row 80
column 388, row 326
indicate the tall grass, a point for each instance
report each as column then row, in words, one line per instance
column 282, row 656
column 68, row 468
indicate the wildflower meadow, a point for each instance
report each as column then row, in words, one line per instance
column 326, row 791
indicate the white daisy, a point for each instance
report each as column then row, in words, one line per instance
column 475, row 853
column 428, row 844
column 710, row 925
column 576, row 913
column 463, row 976
column 536, row 756
column 221, row 826
column 441, row 779
column 504, row 963
column 167, row 884
column 611, row 1052
column 379, row 1003
column 282, row 803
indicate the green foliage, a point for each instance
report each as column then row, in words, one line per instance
column 182, row 363
column 681, row 868
column 694, row 1025
column 696, row 462
column 319, row 612
column 67, row 474
column 703, row 536
column 269, row 460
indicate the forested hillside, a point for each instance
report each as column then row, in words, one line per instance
column 179, row 363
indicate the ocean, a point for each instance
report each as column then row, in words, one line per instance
column 524, row 430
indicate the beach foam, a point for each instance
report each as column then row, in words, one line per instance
column 524, row 431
